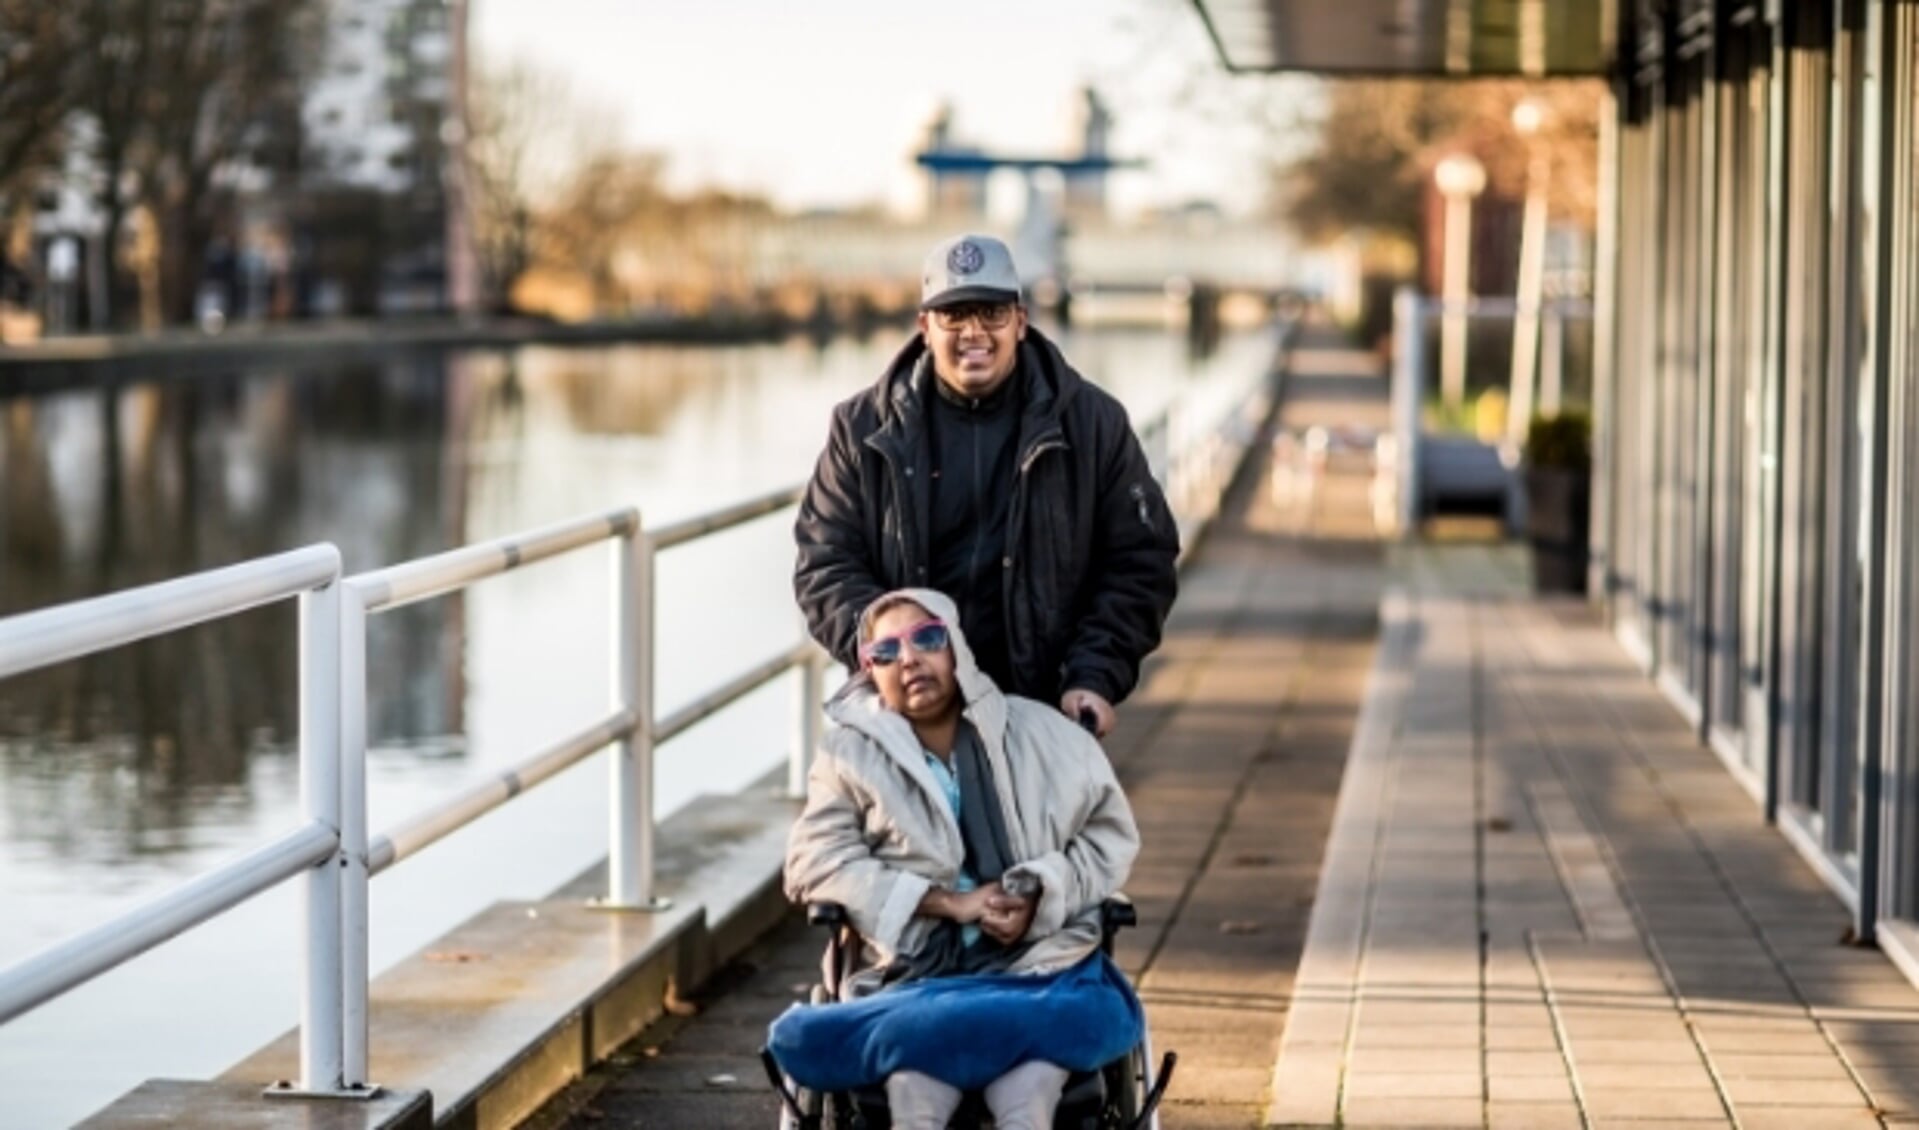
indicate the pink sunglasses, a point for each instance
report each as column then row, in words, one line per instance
column 924, row 637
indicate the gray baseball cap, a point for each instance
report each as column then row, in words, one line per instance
column 968, row 268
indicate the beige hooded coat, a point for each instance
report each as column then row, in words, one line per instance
column 877, row 832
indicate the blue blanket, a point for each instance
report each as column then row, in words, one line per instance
column 964, row 1031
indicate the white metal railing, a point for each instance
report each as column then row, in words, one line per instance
column 69, row 631
column 333, row 847
column 1193, row 451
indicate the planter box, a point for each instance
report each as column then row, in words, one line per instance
column 1558, row 507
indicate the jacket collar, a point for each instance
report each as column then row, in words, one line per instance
column 899, row 396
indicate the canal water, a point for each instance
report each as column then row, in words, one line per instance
column 123, row 775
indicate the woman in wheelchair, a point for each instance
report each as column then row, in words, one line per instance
column 970, row 837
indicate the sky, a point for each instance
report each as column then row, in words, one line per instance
column 820, row 103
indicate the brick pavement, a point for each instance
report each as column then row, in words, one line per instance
column 1545, row 904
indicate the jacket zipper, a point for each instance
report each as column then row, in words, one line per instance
column 903, row 490
column 1016, row 522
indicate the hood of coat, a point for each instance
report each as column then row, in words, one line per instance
column 858, row 705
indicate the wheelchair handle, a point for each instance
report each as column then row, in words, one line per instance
column 1088, row 720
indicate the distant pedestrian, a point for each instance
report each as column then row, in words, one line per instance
column 982, row 465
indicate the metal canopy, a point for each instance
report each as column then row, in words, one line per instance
column 1443, row 38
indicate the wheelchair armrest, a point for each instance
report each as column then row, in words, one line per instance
column 825, row 914
column 1117, row 913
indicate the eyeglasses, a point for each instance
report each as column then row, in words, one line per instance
column 925, row 637
column 991, row 315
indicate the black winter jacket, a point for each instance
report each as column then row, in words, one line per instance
column 1091, row 543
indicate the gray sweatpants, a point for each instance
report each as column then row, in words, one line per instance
column 1021, row 1099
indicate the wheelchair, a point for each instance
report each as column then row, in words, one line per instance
column 1123, row 1095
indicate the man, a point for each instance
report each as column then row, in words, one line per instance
column 982, row 465
column 965, row 833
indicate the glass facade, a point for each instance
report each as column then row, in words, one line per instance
column 1759, row 424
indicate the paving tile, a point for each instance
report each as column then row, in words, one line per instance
column 1503, row 1014
column 1382, row 1061
column 1584, row 1052
column 1633, row 1102
column 1211, row 1116
column 1588, row 1026
column 1722, row 1041
column 1402, row 1113
column 1415, row 1036
column 1658, row 1123
column 1739, row 1065
column 1529, row 1088
column 1431, row 1085
column 1526, row 1038
column 1525, row 1063
column 1533, row 1116
column 1792, row 1092
column 1463, row 1015
column 1807, row 1118
column 1196, row 1078
column 1891, row 1085
column 1305, row 1087
column 1647, row 1076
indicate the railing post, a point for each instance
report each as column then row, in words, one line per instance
column 353, row 835
column 321, row 1047
column 1552, row 378
column 806, row 722
column 630, row 858
column 1409, row 361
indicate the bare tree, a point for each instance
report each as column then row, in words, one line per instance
column 41, row 52
column 114, row 95
column 584, row 227
column 527, row 135
column 220, row 76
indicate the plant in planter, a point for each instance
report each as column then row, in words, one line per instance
column 1559, row 500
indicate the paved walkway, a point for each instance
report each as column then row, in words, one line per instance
column 1535, row 902
column 1546, row 905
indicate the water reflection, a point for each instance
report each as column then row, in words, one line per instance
column 109, row 488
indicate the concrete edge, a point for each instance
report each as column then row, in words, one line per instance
column 1306, row 1072
column 633, row 996
column 729, row 848
column 238, row 1106
column 744, row 900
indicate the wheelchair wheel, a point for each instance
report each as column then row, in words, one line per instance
column 1129, row 1085
column 837, row 1112
column 1129, row 1089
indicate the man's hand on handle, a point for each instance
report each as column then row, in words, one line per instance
column 1078, row 699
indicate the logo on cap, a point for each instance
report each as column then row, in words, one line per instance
column 965, row 258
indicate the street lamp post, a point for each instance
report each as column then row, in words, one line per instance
column 1528, row 116
column 1459, row 178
